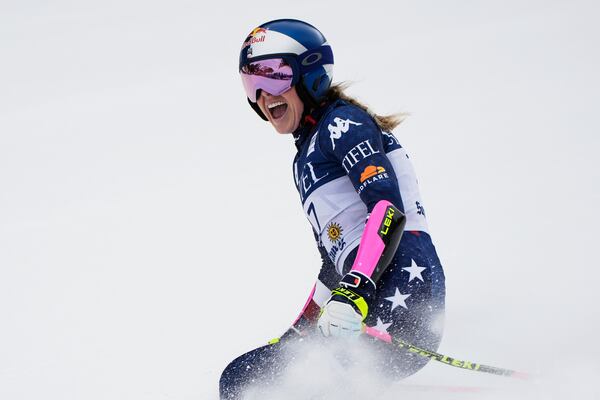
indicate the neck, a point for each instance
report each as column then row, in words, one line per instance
column 309, row 121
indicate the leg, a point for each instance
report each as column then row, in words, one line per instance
column 260, row 365
column 410, row 304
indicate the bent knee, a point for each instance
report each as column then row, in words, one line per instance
column 228, row 387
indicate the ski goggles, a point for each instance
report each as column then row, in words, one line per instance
column 275, row 76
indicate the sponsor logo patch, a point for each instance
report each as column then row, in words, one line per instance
column 336, row 248
column 358, row 153
column 308, row 179
column 256, row 36
column 391, row 138
column 334, row 232
column 387, row 222
column 370, row 172
column 341, row 126
column 420, row 208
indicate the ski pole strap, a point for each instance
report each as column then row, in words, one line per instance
column 468, row 365
column 379, row 240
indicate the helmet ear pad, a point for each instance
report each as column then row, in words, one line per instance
column 316, row 83
column 256, row 108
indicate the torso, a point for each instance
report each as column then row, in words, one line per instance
column 331, row 202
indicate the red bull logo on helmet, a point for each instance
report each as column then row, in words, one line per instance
column 256, row 36
column 256, row 31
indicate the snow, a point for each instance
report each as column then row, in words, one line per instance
column 149, row 227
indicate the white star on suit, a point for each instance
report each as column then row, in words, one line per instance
column 398, row 299
column 381, row 326
column 414, row 270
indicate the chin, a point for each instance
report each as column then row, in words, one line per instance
column 282, row 129
column 285, row 125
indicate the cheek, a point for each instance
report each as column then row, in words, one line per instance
column 297, row 107
column 299, row 111
column 261, row 106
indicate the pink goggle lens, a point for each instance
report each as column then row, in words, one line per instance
column 274, row 76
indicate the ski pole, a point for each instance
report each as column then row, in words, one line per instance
column 468, row 365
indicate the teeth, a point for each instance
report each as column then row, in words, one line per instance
column 277, row 103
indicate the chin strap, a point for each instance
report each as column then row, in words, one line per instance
column 256, row 108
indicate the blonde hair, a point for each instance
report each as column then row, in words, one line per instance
column 385, row 122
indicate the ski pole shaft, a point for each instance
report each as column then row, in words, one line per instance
column 468, row 365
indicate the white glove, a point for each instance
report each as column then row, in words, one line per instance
column 340, row 320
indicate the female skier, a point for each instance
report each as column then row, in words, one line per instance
column 349, row 170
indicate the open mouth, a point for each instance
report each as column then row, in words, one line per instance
column 277, row 109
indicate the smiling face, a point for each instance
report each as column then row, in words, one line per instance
column 284, row 112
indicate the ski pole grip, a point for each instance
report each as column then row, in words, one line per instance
column 383, row 336
column 380, row 240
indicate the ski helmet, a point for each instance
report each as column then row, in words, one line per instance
column 302, row 46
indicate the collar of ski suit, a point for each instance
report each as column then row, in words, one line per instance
column 310, row 121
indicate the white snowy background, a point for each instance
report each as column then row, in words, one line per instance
column 150, row 230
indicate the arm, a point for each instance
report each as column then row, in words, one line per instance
column 379, row 240
column 378, row 245
column 361, row 152
column 349, row 303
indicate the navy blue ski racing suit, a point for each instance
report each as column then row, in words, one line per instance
column 345, row 164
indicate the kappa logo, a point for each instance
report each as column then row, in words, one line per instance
column 341, row 126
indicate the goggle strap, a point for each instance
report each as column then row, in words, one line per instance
column 312, row 59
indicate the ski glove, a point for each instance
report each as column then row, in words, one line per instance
column 348, row 306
